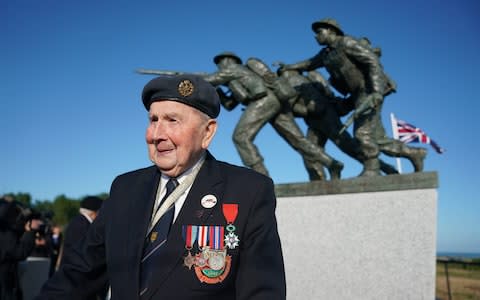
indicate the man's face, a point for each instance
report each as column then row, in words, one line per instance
column 322, row 35
column 177, row 135
column 56, row 230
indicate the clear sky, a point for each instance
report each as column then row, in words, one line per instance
column 72, row 118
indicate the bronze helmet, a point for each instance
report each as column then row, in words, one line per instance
column 217, row 58
column 327, row 23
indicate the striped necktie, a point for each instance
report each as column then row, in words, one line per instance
column 156, row 239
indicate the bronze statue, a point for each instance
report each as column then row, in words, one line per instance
column 355, row 70
column 321, row 110
column 263, row 105
column 277, row 98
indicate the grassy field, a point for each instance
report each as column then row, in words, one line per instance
column 464, row 281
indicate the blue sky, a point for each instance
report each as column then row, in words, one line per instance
column 72, row 118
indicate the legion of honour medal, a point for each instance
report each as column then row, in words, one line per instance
column 230, row 211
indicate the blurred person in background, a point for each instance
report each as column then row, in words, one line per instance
column 56, row 241
column 75, row 234
column 17, row 240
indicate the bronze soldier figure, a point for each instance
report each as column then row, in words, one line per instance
column 322, row 111
column 355, row 70
column 262, row 106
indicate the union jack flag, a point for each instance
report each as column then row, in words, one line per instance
column 409, row 133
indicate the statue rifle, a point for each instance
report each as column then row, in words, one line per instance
column 167, row 72
column 364, row 107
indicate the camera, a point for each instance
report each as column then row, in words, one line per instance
column 46, row 225
column 14, row 215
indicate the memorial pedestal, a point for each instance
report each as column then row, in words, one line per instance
column 360, row 238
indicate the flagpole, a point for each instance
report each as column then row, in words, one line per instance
column 395, row 136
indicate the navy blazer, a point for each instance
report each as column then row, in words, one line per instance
column 75, row 233
column 115, row 240
column 75, row 236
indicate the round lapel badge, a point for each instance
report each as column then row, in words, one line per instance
column 208, row 201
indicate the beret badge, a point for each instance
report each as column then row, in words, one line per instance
column 185, row 88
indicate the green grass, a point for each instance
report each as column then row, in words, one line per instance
column 464, row 282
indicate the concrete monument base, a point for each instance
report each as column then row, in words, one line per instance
column 361, row 238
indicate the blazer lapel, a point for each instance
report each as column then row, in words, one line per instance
column 208, row 181
column 140, row 213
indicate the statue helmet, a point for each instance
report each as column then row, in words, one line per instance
column 327, row 23
column 224, row 54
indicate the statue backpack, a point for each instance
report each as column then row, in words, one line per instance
column 280, row 86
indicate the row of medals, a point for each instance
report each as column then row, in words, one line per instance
column 212, row 258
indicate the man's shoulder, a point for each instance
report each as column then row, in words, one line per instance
column 79, row 219
column 77, row 226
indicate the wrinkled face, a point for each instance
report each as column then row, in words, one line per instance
column 177, row 135
column 322, row 35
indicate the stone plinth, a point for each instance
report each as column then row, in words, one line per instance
column 360, row 238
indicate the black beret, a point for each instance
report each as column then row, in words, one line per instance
column 91, row 203
column 188, row 89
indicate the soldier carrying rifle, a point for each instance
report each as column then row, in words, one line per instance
column 355, row 70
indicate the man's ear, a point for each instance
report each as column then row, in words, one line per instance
column 210, row 129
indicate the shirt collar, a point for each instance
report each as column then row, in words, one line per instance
column 181, row 177
column 84, row 213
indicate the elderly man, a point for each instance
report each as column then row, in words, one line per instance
column 189, row 227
